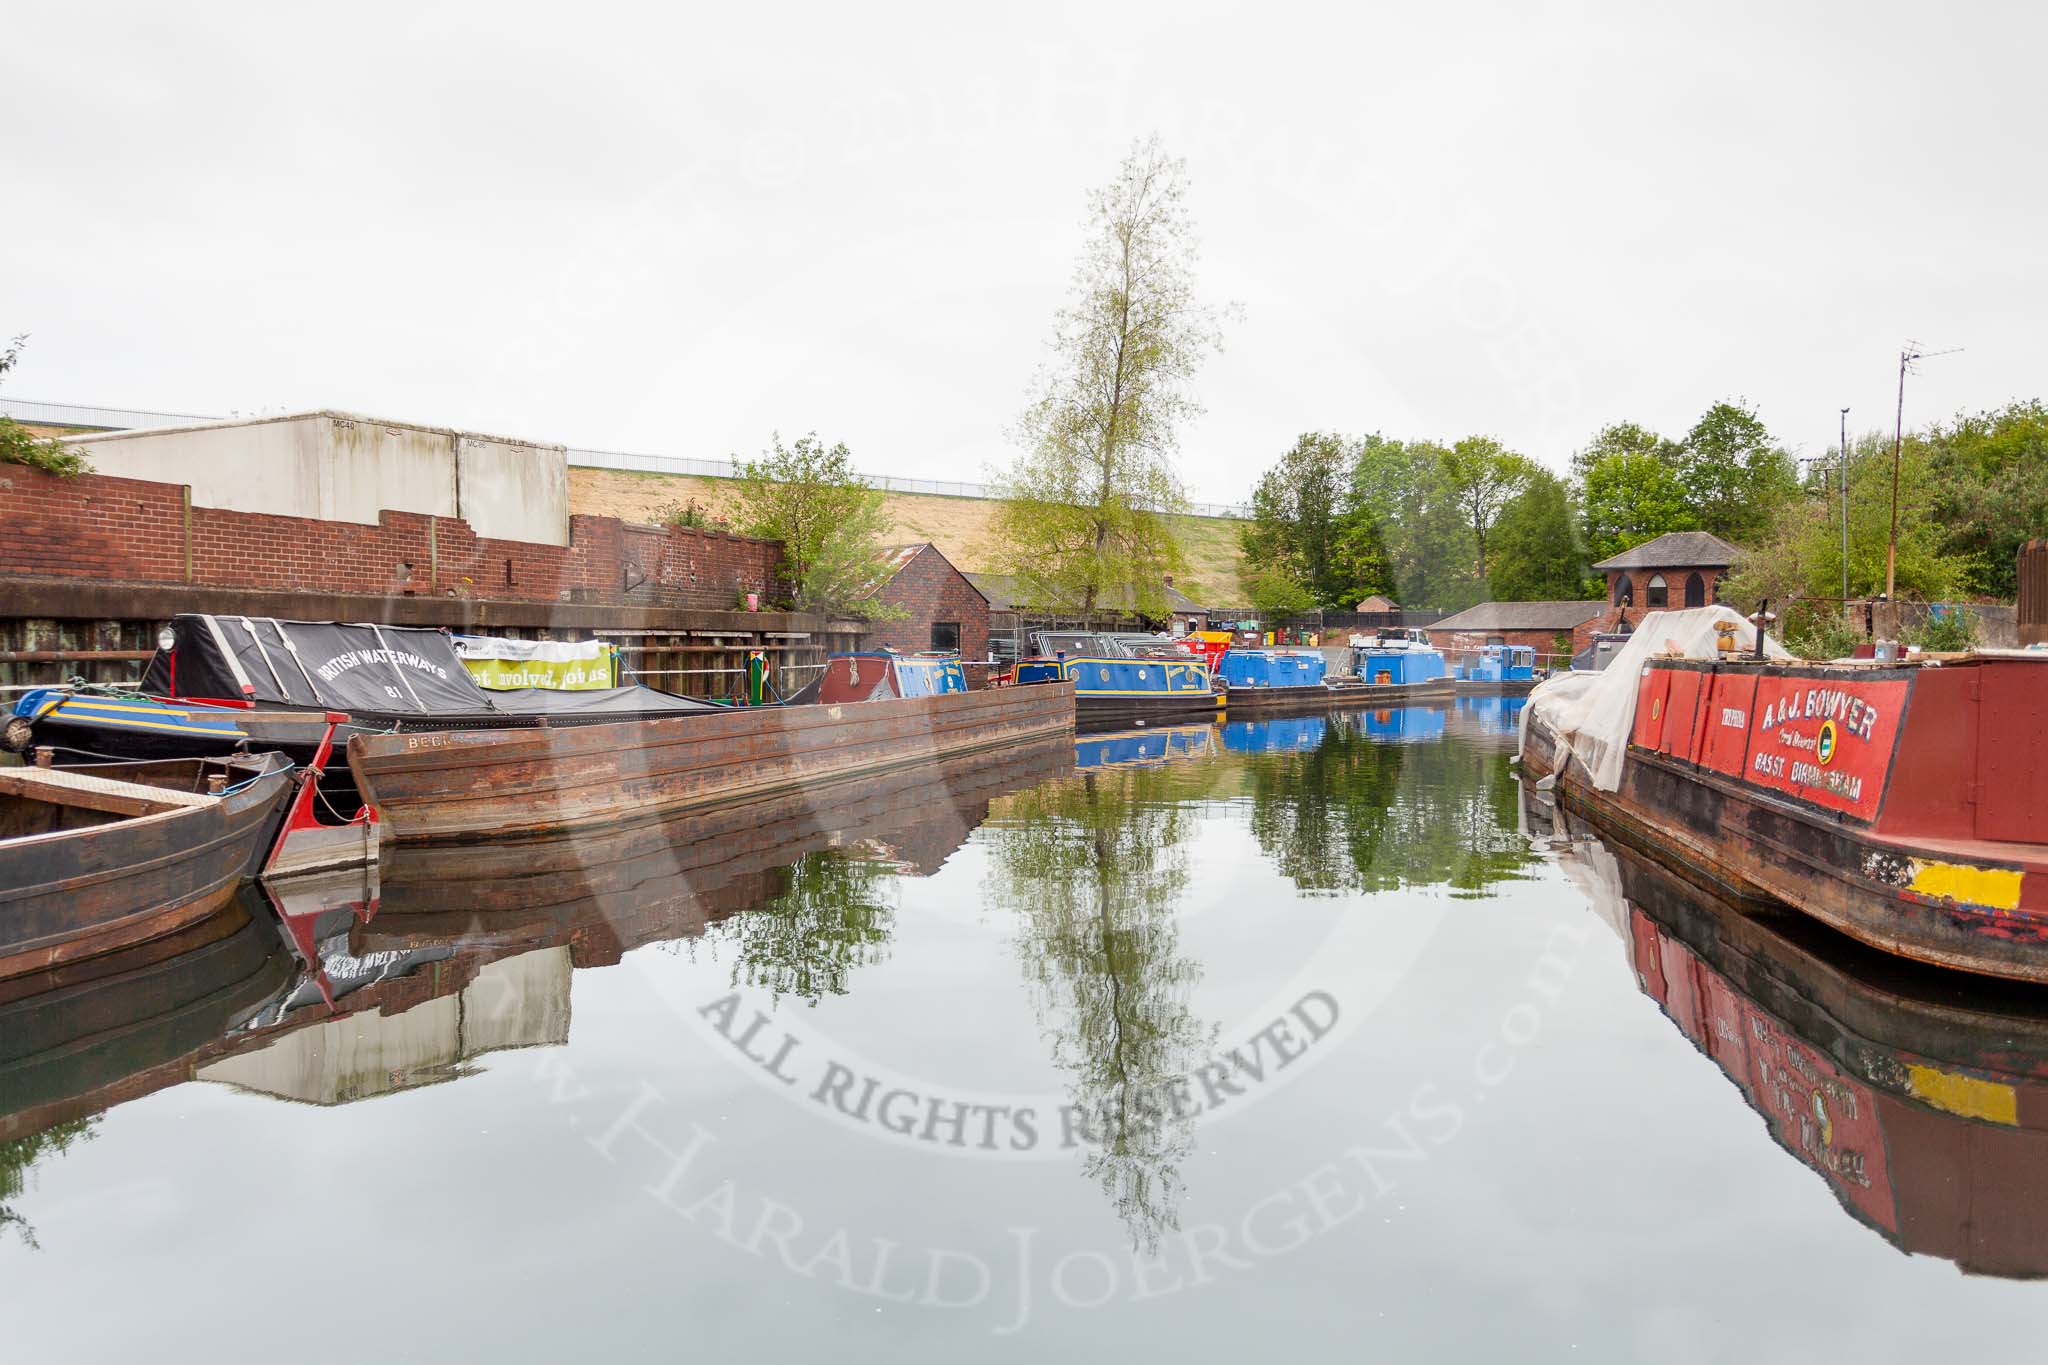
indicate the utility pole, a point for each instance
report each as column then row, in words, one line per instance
column 1891, row 549
column 1845, row 511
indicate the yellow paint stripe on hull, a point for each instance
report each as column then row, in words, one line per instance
column 1996, row 887
column 1964, row 1095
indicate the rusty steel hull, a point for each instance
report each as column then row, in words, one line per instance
column 1749, row 844
column 460, row 786
column 87, row 892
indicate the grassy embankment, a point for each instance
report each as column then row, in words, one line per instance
column 958, row 526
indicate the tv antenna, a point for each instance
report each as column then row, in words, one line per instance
column 1910, row 356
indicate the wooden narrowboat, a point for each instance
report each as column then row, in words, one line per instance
column 94, row 860
column 1906, row 806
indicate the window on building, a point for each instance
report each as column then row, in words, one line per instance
column 1655, row 594
column 1623, row 593
column 1496, row 639
column 945, row 635
column 1695, row 591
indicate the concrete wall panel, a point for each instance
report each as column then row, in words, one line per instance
column 339, row 467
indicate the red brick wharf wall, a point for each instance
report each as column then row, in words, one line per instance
column 930, row 589
column 134, row 531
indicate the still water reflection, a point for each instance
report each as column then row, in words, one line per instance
column 1182, row 1042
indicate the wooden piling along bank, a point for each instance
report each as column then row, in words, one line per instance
column 461, row 785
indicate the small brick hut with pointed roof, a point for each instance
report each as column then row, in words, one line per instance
column 1677, row 569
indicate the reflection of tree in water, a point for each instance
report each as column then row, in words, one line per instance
column 1091, row 869
column 18, row 1155
column 1359, row 814
column 831, row 917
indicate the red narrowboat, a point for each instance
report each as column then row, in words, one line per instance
column 1904, row 804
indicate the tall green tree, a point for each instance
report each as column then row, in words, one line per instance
column 1736, row 477
column 1403, row 496
column 1484, row 477
column 1085, row 516
column 1627, row 498
column 1537, row 555
column 1298, row 527
column 828, row 518
column 1990, row 482
column 1630, row 439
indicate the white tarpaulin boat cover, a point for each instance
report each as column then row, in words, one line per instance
column 549, row 651
column 1593, row 714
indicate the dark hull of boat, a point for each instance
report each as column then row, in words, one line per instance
column 1097, row 712
column 1267, row 701
column 457, row 785
column 85, row 892
column 77, row 1029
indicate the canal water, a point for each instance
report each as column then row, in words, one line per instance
column 1312, row 1035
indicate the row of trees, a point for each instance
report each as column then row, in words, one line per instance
column 1339, row 519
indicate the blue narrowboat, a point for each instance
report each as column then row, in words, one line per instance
column 1249, row 668
column 1119, row 690
column 1498, row 669
column 1258, row 681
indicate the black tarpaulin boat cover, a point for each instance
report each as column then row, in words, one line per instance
column 386, row 670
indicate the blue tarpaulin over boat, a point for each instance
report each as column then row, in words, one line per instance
column 1272, row 668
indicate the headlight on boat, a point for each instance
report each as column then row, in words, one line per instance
column 166, row 640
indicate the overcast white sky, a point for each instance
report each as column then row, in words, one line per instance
column 676, row 228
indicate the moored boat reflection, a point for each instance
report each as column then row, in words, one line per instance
column 1921, row 1098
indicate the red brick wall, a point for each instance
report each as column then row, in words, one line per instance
column 129, row 530
column 930, row 589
